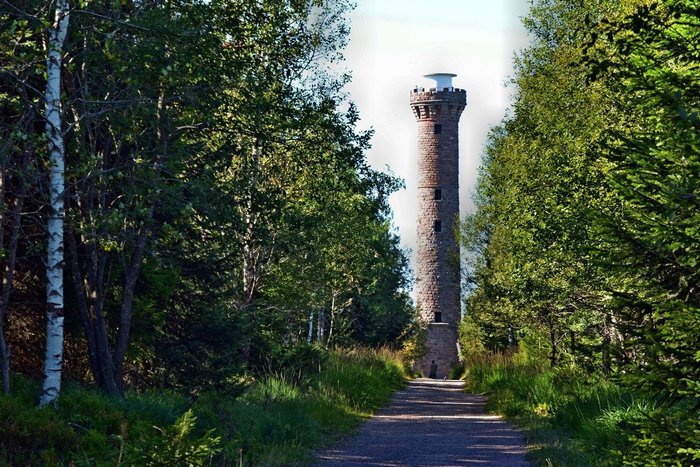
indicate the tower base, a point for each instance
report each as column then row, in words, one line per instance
column 441, row 343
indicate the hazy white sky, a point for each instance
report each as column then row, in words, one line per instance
column 394, row 43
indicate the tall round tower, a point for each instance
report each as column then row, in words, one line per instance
column 437, row 273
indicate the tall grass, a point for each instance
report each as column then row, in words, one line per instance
column 279, row 419
column 569, row 417
column 282, row 417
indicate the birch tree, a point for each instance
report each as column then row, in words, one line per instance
column 54, row 267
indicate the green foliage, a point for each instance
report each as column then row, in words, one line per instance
column 363, row 378
column 414, row 344
column 653, row 172
column 304, row 359
column 30, row 435
column 471, row 338
column 584, row 247
column 174, row 445
column 281, row 417
column 668, row 437
column 569, row 417
column 277, row 420
column 218, row 190
column 85, row 426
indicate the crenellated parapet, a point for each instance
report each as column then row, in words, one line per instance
column 433, row 104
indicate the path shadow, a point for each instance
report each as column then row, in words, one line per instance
column 431, row 422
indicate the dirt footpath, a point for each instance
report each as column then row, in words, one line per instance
column 431, row 422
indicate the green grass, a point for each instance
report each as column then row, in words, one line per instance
column 279, row 419
column 569, row 418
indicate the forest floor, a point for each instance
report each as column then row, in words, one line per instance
column 431, row 422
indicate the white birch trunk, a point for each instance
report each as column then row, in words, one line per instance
column 54, row 269
column 320, row 326
column 310, row 334
column 330, row 327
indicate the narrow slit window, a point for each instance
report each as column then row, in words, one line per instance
column 438, row 194
column 438, row 317
column 438, row 226
column 437, row 129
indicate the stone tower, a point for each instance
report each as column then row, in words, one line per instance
column 437, row 274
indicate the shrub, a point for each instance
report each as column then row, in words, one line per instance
column 664, row 437
column 414, row 346
column 176, row 445
column 34, row 436
column 471, row 338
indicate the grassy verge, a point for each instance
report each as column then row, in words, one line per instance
column 569, row 418
column 279, row 419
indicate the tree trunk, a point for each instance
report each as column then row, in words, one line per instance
column 132, row 275
column 605, row 351
column 251, row 251
column 330, row 326
column 4, row 354
column 320, row 326
column 310, row 334
column 82, row 302
column 11, row 258
column 512, row 342
column 553, row 342
column 108, row 368
column 89, row 292
column 106, row 377
column 53, row 361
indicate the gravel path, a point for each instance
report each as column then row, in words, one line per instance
column 431, row 422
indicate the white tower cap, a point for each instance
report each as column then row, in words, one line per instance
column 442, row 80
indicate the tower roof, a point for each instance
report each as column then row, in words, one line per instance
column 442, row 80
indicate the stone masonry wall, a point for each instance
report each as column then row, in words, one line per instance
column 437, row 271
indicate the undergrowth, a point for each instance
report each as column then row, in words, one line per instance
column 570, row 418
column 279, row 419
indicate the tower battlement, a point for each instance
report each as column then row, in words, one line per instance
column 432, row 93
column 431, row 105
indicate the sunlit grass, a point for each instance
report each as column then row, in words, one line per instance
column 281, row 418
column 278, row 420
column 569, row 417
